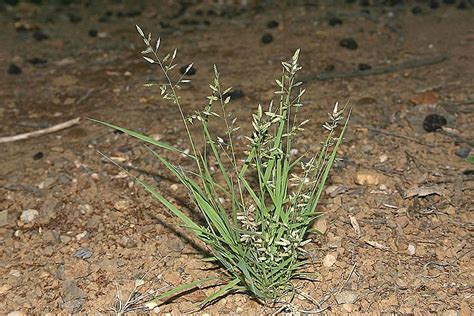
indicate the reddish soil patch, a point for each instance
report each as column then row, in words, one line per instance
column 398, row 225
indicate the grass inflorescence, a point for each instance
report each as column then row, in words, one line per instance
column 257, row 211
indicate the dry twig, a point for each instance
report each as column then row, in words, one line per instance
column 40, row 132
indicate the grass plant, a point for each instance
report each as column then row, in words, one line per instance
column 256, row 211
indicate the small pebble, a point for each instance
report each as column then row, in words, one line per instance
column 272, row 24
column 364, row 67
column 349, row 43
column 329, row 260
column 127, row 242
column 434, row 122
column 367, row 178
column 14, row 69
column 411, row 249
column 122, row 205
column 335, row 21
column 346, row 296
column 191, row 71
column 267, row 38
column 463, row 152
column 82, row 253
column 38, row 155
column 27, row 216
column 40, row 36
column 93, row 33
column 37, row 61
column 81, row 235
column 17, row 313
column 234, row 95
column 416, row 10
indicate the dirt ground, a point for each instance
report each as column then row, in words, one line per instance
column 75, row 231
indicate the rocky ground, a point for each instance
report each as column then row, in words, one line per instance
column 77, row 235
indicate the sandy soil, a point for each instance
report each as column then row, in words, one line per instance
column 75, row 231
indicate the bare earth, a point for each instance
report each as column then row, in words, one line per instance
column 75, row 231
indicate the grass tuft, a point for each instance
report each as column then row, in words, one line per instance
column 257, row 211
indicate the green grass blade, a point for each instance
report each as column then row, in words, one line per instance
column 315, row 197
column 144, row 138
column 221, row 292
column 181, row 288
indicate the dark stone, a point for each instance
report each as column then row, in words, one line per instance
column 73, row 18
column 231, row 12
column 129, row 14
column 40, row 36
column 364, row 67
column 189, row 22
column 14, row 69
column 37, row 61
column 164, row 24
column 434, row 4
column 434, row 122
column 267, row 38
column 349, row 43
column 468, row 172
column 39, row 155
column 191, row 71
column 462, row 5
column 463, row 152
column 124, row 149
column 93, row 33
column 234, row 95
column 272, row 24
column 11, row 2
column 133, row 13
column 416, row 10
column 104, row 19
column 334, row 21
column 329, row 68
column 393, row 3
